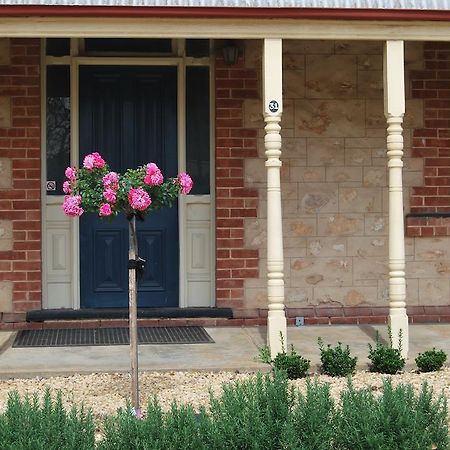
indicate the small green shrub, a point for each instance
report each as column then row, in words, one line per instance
column 29, row 424
column 384, row 358
column 336, row 361
column 293, row 364
column 431, row 360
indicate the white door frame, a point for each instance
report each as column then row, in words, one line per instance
column 188, row 276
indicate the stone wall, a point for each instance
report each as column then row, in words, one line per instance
column 334, row 188
column 20, row 164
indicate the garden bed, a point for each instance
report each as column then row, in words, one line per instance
column 105, row 392
column 227, row 411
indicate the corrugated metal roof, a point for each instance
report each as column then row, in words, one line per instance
column 333, row 4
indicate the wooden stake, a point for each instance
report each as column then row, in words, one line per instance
column 132, row 293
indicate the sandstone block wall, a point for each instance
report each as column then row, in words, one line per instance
column 20, row 173
column 334, row 187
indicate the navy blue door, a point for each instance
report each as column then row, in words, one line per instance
column 129, row 115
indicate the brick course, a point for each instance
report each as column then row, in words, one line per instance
column 432, row 143
column 348, row 316
column 20, row 142
column 234, row 202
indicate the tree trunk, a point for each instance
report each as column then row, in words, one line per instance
column 132, row 292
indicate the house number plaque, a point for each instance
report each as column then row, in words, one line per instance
column 273, row 106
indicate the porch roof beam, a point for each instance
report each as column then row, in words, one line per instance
column 152, row 27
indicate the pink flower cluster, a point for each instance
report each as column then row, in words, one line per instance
column 105, row 210
column 67, row 189
column 111, row 180
column 111, row 184
column 93, row 161
column 71, row 205
column 110, row 201
column 71, row 174
column 153, row 176
column 110, row 195
column 185, row 182
column 139, row 199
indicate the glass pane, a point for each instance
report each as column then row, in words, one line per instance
column 95, row 45
column 197, row 127
column 58, row 47
column 197, row 48
column 58, row 127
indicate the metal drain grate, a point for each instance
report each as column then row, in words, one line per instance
column 67, row 337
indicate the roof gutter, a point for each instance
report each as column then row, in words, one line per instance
column 224, row 13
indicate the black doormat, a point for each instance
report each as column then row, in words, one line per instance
column 72, row 337
column 41, row 315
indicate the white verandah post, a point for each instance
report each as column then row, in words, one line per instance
column 272, row 110
column 394, row 110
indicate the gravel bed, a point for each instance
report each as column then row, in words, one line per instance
column 105, row 392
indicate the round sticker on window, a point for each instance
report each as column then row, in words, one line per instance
column 51, row 185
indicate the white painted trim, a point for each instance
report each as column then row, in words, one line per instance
column 43, row 176
column 57, row 60
column 181, row 152
column 157, row 27
column 178, row 47
column 197, row 61
column 212, row 169
column 127, row 61
column 50, row 201
column 74, row 160
column 199, row 199
column 74, row 47
column 180, row 62
column 182, row 219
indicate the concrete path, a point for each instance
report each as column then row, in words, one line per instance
column 234, row 349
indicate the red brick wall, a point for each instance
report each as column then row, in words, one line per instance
column 21, row 142
column 432, row 143
column 234, row 202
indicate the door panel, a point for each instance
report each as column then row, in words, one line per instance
column 128, row 115
column 151, row 243
column 109, row 245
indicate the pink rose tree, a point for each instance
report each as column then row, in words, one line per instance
column 137, row 192
column 94, row 188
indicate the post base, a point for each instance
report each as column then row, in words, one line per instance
column 399, row 322
column 276, row 332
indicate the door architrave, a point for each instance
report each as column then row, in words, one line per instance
column 178, row 62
